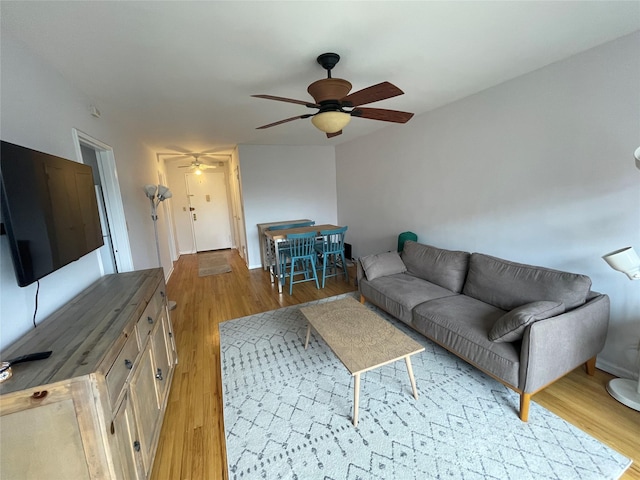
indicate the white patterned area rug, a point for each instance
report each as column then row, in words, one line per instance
column 287, row 415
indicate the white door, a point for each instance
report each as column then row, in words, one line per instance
column 209, row 210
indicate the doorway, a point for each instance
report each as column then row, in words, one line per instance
column 115, row 255
column 209, row 210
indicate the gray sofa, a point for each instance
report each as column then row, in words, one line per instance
column 523, row 325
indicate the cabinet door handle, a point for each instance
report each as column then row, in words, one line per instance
column 150, row 320
column 128, row 364
column 159, row 374
column 40, row 395
column 136, row 446
column 161, row 293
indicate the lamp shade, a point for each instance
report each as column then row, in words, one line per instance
column 625, row 260
column 331, row 122
column 150, row 190
column 164, row 193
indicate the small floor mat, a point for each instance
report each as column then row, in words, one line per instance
column 212, row 263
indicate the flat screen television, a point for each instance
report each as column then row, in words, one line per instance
column 49, row 211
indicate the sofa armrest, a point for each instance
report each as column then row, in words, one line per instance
column 553, row 347
column 359, row 271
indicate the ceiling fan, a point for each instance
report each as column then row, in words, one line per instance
column 198, row 165
column 336, row 106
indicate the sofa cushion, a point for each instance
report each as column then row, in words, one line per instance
column 461, row 324
column 398, row 294
column 508, row 285
column 382, row 264
column 510, row 327
column 446, row 268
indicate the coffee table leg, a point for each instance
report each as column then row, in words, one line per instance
column 356, row 398
column 306, row 342
column 407, row 359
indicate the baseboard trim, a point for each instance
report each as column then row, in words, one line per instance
column 166, row 280
column 616, row 370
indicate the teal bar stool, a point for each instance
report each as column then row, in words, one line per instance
column 301, row 254
column 331, row 247
column 403, row 237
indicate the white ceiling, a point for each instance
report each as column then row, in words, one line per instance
column 180, row 74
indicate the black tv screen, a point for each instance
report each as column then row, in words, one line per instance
column 49, row 211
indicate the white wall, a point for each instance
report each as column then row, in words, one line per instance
column 39, row 110
column 286, row 183
column 536, row 170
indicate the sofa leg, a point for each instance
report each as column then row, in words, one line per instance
column 590, row 365
column 362, row 299
column 525, row 399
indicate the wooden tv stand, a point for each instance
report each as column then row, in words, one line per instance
column 93, row 409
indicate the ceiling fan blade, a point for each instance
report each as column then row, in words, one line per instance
column 329, row 135
column 284, row 121
column 185, row 166
column 382, row 114
column 288, row 100
column 371, row 94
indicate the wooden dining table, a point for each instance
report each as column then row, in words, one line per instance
column 275, row 237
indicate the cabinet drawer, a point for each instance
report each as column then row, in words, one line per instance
column 145, row 325
column 151, row 315
column 121, row 368
column 157, row 301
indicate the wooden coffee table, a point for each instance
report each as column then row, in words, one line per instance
column 361, row 339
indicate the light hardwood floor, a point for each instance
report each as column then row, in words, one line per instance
column 191, row 445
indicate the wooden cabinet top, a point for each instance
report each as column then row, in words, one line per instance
column 86, row 333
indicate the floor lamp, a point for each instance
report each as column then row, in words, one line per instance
column 157, row 194
column 625, row 390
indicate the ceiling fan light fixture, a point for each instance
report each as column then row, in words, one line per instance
column 331, row 122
